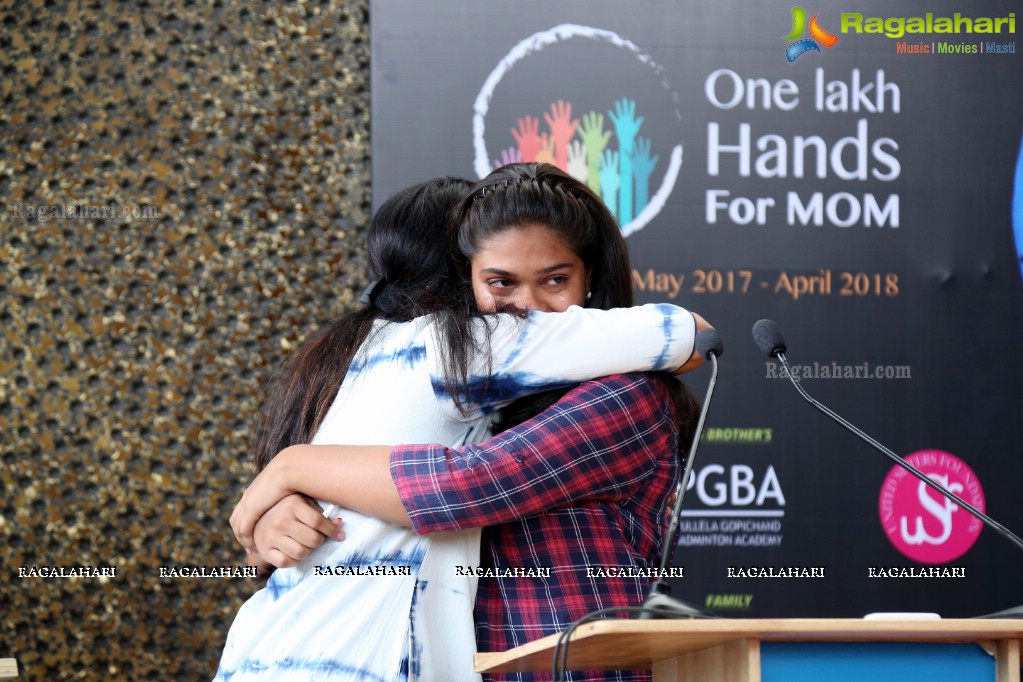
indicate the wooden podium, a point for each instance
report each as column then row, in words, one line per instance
column 783, row 649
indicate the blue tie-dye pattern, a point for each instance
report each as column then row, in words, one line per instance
column 292, row 664
column 467, row 438
column 410, row 357
column 524, row 341
column 278, row 585
column 413, row 559
column 667, row 312
column 328, row 666
column 417, row 648
column 486, row 391
column 483, row 392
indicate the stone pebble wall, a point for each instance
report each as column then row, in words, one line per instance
column 183, row 192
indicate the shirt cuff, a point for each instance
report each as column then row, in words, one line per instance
column 412, row 469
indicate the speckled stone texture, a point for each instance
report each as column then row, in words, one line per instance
column 183, row 192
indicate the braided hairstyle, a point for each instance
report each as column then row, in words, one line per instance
column 522, row 194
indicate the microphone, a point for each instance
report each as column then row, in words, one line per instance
column 708, row 344
column 768, row 338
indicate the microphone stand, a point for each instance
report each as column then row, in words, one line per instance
column 997, row 527
column 660, row 598
column 768, row 337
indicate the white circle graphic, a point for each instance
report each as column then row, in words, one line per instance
column 537, row 42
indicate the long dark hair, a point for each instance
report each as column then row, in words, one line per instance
column 521, row 194
column 410, row 259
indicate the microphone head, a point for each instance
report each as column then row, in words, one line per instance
column 709, row 342
column 768, row 338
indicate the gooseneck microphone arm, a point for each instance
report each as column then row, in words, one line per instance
column 708, row 343
column 769, row 339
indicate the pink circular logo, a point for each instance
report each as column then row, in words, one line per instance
column 921, row 522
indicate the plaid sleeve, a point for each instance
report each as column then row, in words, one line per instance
column 599, row 441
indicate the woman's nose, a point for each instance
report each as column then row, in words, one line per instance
column 532, row 300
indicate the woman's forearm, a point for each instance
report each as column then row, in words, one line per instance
column 353, row 476
column 604, row 440
column 356, row 477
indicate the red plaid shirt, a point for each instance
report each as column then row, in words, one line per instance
column 584, row 485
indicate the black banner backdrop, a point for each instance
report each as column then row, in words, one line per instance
column 851, row 171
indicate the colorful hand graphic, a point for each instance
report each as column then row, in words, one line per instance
column 546, row 153
column 595, row 138
column 528, row 137
column 577, row 166
column 562, row 130
column 610, row 181
column 509, row 155
column 626, row 126
column 626, row 123
column 643, row 167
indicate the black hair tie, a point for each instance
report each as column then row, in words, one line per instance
column 372, row 292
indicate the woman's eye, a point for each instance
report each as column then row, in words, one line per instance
column 557, row 281
column 499, row 283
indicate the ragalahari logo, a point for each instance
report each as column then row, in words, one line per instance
column 818, row 36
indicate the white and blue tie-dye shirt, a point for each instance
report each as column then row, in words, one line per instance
column 385, row 604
